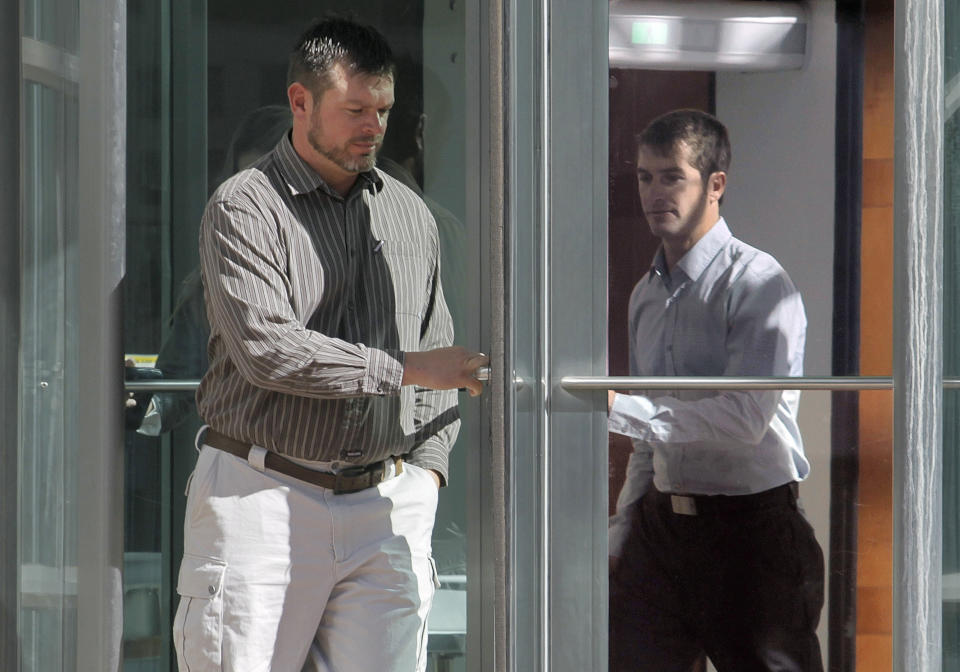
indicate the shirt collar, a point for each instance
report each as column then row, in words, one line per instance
column 698, row 257
column 302, row 179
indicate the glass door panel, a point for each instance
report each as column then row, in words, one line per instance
column 47, row 543
column 781, row 196
column 48, row 383
column 232, row 59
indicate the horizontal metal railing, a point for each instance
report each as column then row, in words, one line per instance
column 161, row 385
column 834, row 383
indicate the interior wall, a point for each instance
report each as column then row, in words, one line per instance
column 780, row 198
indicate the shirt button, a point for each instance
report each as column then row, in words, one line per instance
column 212, row 590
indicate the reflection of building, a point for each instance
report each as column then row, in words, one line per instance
column 122, row 112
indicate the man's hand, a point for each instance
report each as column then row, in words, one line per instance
column 436, row 477
column 611, row 397
column 444, row 369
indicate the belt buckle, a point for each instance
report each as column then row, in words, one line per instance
column 357, row 478
column 684, row 506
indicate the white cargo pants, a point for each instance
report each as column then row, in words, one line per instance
column 280, row 575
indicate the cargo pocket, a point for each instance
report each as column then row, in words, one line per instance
column 198, row 626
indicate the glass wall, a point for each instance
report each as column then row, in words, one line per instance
column 48, row 385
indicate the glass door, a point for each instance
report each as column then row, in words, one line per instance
column 802, row 155
column 207, row 96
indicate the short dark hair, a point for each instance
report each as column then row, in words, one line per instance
column 702, row 133
column 337, row 40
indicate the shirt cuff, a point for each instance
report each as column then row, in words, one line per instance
column 384, row 372
column 431, row 454
column 631, row 415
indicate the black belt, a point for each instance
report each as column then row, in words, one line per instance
column 702, row 505
column 351, row 479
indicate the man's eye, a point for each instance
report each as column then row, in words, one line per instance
column 354, row 110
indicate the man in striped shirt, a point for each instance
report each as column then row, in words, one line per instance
column 331, row 393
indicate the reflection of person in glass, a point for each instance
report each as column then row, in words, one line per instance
column 709, row 550
column 402, row 157
column 331, row 393
column 183, row 353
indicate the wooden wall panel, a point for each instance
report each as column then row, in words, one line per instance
column 875, row 506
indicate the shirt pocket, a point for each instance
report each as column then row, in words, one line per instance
column 198, row 626
column 410, row 275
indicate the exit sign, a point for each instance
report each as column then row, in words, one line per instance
column 653, row 33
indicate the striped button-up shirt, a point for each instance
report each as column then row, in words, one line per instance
column 313, row 299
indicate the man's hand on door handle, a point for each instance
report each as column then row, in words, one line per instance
column 445, row 369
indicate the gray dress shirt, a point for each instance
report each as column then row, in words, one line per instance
column 313, row 299
column 725, row 309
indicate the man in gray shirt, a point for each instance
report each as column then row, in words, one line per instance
column 331, row 391
column 710, row 553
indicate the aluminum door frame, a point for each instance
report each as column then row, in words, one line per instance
column 556, row 266
column 10, row 139
column 101, row 247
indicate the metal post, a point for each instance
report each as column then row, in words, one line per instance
column 918, row 337
column 101, row 243
column 10, row 316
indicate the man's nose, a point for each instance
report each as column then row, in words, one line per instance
column 374, row 122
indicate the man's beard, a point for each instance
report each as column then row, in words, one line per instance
column 341, row 156
column 685, row 226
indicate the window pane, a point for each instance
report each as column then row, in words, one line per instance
column 52, row 21
column 780, row 198
column 48, row 385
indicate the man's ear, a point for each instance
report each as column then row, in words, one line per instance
column 301, row 100
column 716, row 185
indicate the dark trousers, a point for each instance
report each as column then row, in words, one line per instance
column 740, row 583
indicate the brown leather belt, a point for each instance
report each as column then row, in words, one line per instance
column 351, row 479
